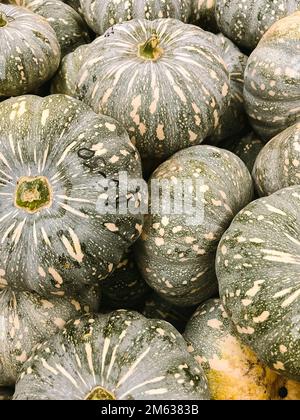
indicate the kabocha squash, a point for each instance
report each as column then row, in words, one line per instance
column 176, row 251
column 70, row 28
column 258, row 271
column 278, row 164
column 234, row 120
column 233, row 371
column 30, row 52
column 165, row 81
column 28, row 319
column 248, row 149
column 66, row 77
column 272, row 79
column 102, row 15
column 203, row 14
column 246, row 21
column 121, row 356
column 55, row 155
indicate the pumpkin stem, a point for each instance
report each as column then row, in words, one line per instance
column 33, row 193
column 3, row 20
column 150, row 50
column 99, row 393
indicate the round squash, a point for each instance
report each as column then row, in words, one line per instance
column 176, row 251
column 165, row 81
column 232, row 369
column 234, row 120
column 118, row 356
column 278, row 164
column 59, row 165
column 70, row 28
column 101, row 15
column 272, row 79
column 28, row 319
column 203, row 14
column 30, row 52
column 258, row 271
column 245, row 22
column 248, row 149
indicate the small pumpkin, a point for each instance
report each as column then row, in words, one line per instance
column 248, row 149
column 28, row 319
column 60, row 163
column 176, row 251
column 167, row 84
column 30, row 52
column 101, row 16
column 258, row 271
column 203, row 14
column 232, row 369
column 245, row 22
column 70, row 28
column 278, row 164
column 272, row 79
column 118, row 356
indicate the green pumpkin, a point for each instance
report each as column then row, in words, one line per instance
column 28, row 319
column 176, row 251
column 70, row 28
column 272, row 79
column 278, row 164
column 30, row 52
column 165, row 81
column 248, row 149
column 258, row 271
column 233, row 371
column 234, row 120
column 245, row 21
column 56, row 158
column 203, row 14
column 65, row 79
column 102, row 15
column 118, row 356
column 6, row 393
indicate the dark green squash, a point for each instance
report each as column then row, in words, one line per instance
column 176, row 251
column 28, row 319
column 60, row 163
column 121, row 356
column 232, row 369
column 278, row 164
column 248, row 149
column 30, row 52
column 258, row 271
column 165, row 81
column 272, row 79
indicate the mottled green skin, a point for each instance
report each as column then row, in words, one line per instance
column 27, row 319
column 125, row 288
column 6, row 394
column 203, row 14
column 128, row 355
column 245, row 22
column 175, row 257
column 234, row 120
column 278, row 164
column 248, row 148
column 30, row 52
column 158, row 308
column 75, row 241
column 102, row 14
column 258, row 271
column 65, row 79
column 165, row 105
column 272, row 79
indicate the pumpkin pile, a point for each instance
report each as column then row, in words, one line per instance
column 185, row 284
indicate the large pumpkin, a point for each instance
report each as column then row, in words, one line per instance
column 28, row 319
column 30, row 52
column 59, row 163
column 245, row 21
column 176, row 251
column 102, row 15
column 258, row 271
column 121, row 356
column 70, row 29
column 278, row 164
column 232, row 369
column 272, row 79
